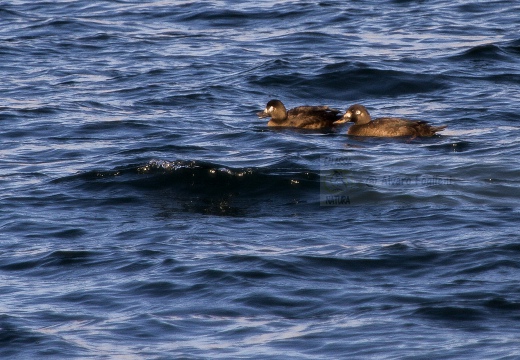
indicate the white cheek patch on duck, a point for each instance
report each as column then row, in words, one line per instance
column 270, row 110
column 358, row 112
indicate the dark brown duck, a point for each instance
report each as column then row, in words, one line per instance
column 303, row 117
column 386, row 126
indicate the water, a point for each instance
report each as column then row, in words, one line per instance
column 148, row 213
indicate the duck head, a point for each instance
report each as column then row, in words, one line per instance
column 357, row 114
column 274, row 109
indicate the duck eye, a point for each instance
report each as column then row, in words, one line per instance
column 358, row 112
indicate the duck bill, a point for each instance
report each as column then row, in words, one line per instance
column 340, row 121
column 262, row 114
column 346, row 118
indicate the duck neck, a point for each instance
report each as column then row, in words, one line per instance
column 363, row 118
column 279, row 115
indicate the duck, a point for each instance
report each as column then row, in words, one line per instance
column 385, row 126
column 303, row 117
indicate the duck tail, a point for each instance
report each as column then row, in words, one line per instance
column 438, row 128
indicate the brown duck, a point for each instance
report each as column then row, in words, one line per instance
column 303, row 117
column 386, row 126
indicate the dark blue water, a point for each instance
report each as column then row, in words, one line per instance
column 148, row 213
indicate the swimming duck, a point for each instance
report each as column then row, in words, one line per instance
column 386, row 126
column 303, row 117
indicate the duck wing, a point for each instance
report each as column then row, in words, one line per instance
column 423, row 128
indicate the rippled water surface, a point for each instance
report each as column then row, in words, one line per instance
column 148, row 213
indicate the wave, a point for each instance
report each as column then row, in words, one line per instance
column 200, row 187
column 498, row 59
column 211, row 188
column 200, row 176
column 353, row 80
column 482, row 52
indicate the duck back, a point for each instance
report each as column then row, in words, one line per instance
column 312, row 117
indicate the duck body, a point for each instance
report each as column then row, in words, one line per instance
column 385, row 126
column 303, row 117
column 394, row 127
